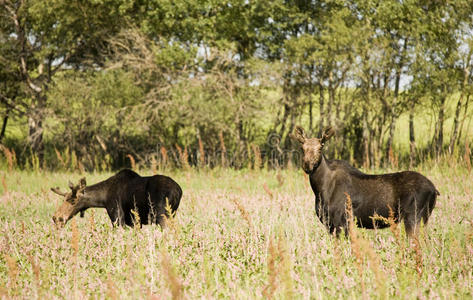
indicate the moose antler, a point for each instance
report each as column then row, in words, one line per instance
column 57, row 191
column 82, row 183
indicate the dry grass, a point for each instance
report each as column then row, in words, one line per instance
column 201, row 153
column 164, row 157
column 183, row 157
column 211, row 251
column 222, row 148
column 467, row 155
column 258, row 161
column 271, row 287
column 268, row 190
column 175, row 284
column 244, row 213
column 13, row 272
column 132, row 161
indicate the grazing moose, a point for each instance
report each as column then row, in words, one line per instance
column 125, row 196
column 409, row 195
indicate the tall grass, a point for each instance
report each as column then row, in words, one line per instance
column 231, row 239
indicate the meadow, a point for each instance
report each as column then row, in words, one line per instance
column 246, row 234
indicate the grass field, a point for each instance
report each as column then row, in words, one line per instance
column 237, row 234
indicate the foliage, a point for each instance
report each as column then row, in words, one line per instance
column 187, row 72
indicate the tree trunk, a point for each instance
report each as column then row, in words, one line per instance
column 377, row 140
column 466, row 74
column 440, row 123
column 310, row 112
column 388, row 149
column 331, row 99
column 35, row 134
column 321, row 109
column 392, row 127
column 412, row 138
column 397, row 83
column 455, row 125
column 366, row 142
column 465, row 110
column 4, row 126
column 287, row 110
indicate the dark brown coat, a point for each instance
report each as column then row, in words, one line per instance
column 409, row 195
column 123, row 195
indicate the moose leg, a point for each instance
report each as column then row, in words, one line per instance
column 420, row 208
column 337, row 225
column 412, row 223
column 82, row 212
column 337, row 219
column 116, row 214
column 429, row 205
column 337, row 230
column 412, row 228
column 161, row 220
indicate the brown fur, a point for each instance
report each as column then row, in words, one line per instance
column 409, row 194
column 127, row 197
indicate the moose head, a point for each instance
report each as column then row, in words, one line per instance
column 72, row 203
column 311, row 147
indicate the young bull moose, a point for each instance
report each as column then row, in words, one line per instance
column 123, row 196
column 409, row 195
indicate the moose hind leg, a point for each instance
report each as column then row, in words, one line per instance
column 429, row 206
column 410, row 213
column 411, row 226
column 421, row 208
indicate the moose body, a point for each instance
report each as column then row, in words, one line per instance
column 125, row 196
column 407, row 196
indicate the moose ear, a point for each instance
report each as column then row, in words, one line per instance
column 82, row 183
column 327, row 133
column 299, row 135
column 71, row 185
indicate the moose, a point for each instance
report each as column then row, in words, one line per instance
column 407, row 196
column 128, row 198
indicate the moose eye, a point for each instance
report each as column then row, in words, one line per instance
column 72, row 200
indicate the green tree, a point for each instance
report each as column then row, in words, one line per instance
column 47, row 37
column 440, row 67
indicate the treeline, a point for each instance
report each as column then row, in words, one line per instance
column 101, row 84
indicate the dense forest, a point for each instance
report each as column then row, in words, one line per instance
column 101, row 84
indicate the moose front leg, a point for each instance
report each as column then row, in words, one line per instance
column 162, row 217
column 116, row 214
column 337, row 220
column 82, row 212
column 321, row 211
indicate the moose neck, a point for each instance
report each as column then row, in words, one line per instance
column 96, row 195
column 318, row 176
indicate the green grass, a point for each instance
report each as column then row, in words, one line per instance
column 230, row 239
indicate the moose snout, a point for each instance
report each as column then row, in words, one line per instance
column 59, row 221
column 307, row 167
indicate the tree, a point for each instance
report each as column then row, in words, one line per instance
column 47, row 37
column 438, row 67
